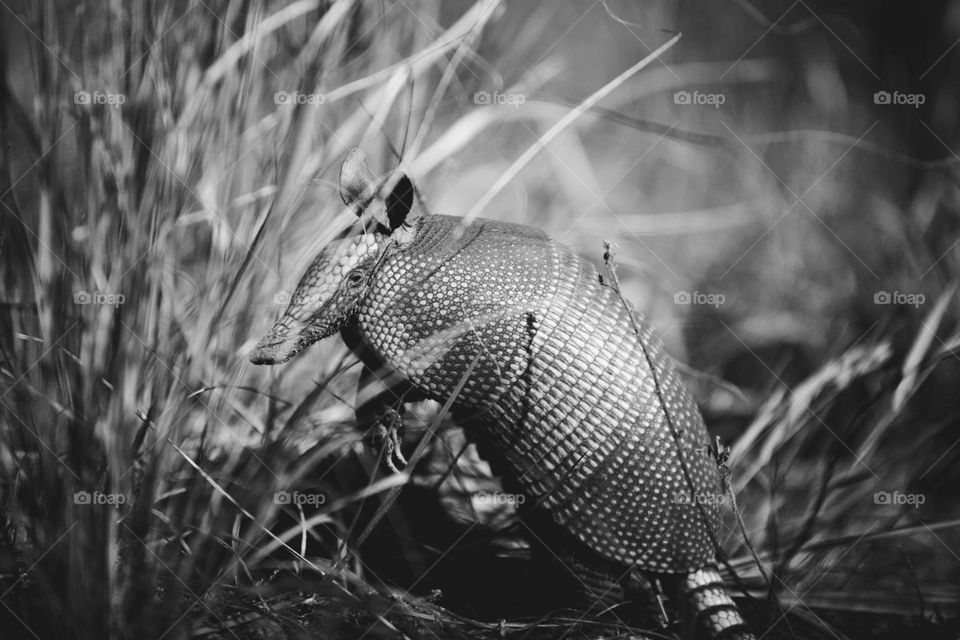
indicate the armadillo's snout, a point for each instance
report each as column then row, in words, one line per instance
column 276, row 347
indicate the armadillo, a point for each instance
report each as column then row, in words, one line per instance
column 579, row 399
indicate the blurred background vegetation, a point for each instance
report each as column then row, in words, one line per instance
column 169, row 169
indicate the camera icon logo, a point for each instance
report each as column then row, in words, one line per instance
column 281, row 497
column 681, row 297
column 282, row 97
column 81, row 97
column 81, row 497
column 881, row 497
column 81, row 297
column 881, row 97
column 881, row 297
column 482, row 97
column 282, row 297
column 681, row 97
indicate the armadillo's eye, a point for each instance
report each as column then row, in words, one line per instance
column 355, row 278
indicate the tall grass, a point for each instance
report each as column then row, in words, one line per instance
column 148, row 243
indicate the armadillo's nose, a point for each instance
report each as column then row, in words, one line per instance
column 274, row 348
column 263, row 353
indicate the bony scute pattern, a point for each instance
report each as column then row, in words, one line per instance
column 561, row 383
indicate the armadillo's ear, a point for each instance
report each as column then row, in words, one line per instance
column 398, row 195
column 389, row 201
column 358, row 186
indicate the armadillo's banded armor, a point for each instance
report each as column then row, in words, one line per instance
column 561, row 382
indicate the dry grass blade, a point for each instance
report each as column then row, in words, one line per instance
column 219, row 489
column 562, row 124
column 478, row 14
column 919, row 350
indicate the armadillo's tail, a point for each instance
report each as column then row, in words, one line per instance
column 713, row 607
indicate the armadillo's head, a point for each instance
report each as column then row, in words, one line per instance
column 332, row 289
column 326, row 298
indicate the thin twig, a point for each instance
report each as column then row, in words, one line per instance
column 608, row 259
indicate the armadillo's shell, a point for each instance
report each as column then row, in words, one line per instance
column 561, row 380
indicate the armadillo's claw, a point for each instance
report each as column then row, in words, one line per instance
column 386, row 437
column 392, row 451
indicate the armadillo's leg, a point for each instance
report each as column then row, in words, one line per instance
column 386, row 436
column 703, row 591
column 379, row 411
